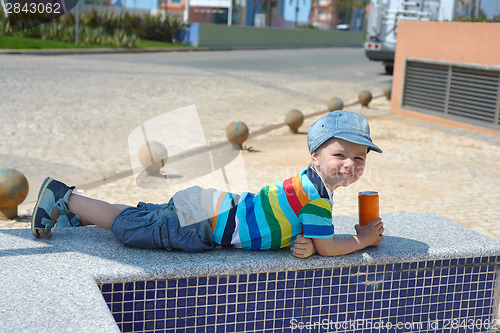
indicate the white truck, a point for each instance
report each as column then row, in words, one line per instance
column 382, row 26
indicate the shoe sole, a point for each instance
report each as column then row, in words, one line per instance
column 44, row 186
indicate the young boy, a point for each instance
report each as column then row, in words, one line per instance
column 296, row 211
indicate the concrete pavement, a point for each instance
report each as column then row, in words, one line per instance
column 69, row 117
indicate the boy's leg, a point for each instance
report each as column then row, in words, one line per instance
column 55, row 198
column 93, row 211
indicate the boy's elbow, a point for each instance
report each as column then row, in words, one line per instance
column 322, row 253
column 325, row 247
column 327, row 253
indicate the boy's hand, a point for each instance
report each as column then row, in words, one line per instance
column 370, row 233
column 303, row 247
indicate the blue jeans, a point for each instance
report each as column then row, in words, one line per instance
column 152, row 226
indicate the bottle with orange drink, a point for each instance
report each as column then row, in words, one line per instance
column 368, row 207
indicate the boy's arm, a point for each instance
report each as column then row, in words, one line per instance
column 305, row 247
column 366, row 235
column 338, row 246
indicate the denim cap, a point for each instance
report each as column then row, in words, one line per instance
column 346, row 125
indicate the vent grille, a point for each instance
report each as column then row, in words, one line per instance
column 467, row 94
column 425, row 86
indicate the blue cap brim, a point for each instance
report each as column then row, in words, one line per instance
column 360, row 141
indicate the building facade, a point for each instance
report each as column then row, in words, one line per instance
column 259, row 13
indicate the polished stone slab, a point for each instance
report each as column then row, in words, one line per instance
column 51, row 284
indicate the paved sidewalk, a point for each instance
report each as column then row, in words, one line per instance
column 424, row 167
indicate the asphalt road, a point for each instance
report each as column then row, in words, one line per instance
column 340, row 64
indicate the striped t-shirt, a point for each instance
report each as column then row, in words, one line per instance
column 272, row 218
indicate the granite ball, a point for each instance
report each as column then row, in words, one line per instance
column 14, row 189
column 294, row 118
column 387, row 90
column 237, row 132
column 335, row 104
column 153, row 156
column 364, row 97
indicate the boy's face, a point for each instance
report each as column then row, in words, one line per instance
column 339, row 162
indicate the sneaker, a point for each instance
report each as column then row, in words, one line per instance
column 70, row 220
column 52, row 194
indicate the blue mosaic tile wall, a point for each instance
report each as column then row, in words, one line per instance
column 459, row 295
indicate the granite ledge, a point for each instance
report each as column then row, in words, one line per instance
column 408, row 238
column 51, row 284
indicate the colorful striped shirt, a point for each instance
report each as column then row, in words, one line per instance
column 272, row 218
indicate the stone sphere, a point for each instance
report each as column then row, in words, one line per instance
column 364, row 97
column 237, row 133
column 294, row 118
column 335, row 104
column 387, row 90
column 13, row 189
column 153, row 156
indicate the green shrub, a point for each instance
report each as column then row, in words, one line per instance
column 5, row 28
column 125, row 39
column 122, row 30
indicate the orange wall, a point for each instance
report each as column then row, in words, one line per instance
column 468, row 43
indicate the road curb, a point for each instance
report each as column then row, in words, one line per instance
column 98, row 51
column 158, row 50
